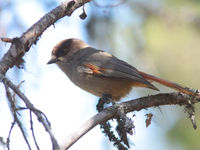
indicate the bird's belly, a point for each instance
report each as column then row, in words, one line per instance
column 102, row 85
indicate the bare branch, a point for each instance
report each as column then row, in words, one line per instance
column 32, row 130
column 9, row 134
column 32, row 108
column 22, row 44
column 16, row 118
column 7, row 40
column 130, row 106
column 2, row 142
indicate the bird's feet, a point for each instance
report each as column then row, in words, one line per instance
column 105, row 99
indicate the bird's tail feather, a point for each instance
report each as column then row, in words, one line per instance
column 169, row 84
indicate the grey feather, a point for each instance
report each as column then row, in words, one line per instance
column 114, row 67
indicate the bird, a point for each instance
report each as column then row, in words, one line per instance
column 101, row 73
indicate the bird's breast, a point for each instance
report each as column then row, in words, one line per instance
column 96, row 84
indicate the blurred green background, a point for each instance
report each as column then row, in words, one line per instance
column 163, row 38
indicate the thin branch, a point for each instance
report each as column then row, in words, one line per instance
column 32, row 130
column 9, row 134
column 31, row 107
column 6, row 40
column 130, row 106
column 2, row 142
column 16, row 118
column 22, row 44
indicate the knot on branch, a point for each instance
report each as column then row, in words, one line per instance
column 70, row 4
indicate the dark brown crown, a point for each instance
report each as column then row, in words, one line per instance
column 68, row 46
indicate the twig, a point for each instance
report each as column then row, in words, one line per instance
column 7, row 40
column 33, row 133
column 2, row 142
column 130, row 106
column 16, row 119
column 31, row 107
column 45, row 117
column 9, row 134
column 19, row 46
column 22, row 44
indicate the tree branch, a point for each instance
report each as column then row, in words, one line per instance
column 32, row 130
column 30, row 106
column 13, row 106
column 129, row 106
column 22, row 44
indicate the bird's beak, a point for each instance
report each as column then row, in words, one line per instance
column 53, row 60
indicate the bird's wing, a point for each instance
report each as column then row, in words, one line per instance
column 103, row 64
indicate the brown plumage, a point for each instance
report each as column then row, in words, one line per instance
column 99, row 72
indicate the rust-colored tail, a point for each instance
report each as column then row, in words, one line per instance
column 170, row 84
